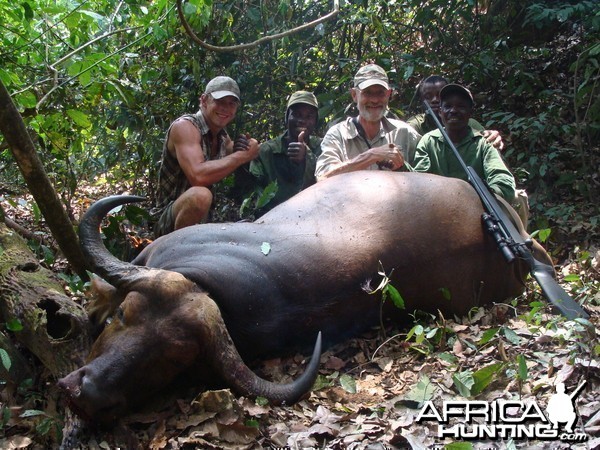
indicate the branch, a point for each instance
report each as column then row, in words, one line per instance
column 233, row 48
column 54, row 25
column 74, row 52
column 18, row 228
column 82, row 47
column 23, row 150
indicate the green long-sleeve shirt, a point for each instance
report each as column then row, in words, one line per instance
column 434, row 155
column 273, row 164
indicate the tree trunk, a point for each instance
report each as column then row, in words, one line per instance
column 54, row 328
column 23, row 150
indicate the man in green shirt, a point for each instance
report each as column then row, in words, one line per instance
column 290, row 158
column 435, row 156
column 429, row 90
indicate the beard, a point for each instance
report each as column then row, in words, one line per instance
column 371, row 115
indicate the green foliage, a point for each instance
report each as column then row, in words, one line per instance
column 348, row 383
column 42, row 251
column 74, row 282
column 428, row 334
column 471, row 384
column 345, row 381
column 387, row 289
column 258, row 199
column 14, row 325
column 581, row 283
column 541, row 235
column 4, row 416
column 521, row 368
column 584, row 285
column 5, row 358
column 82, row 101
column 44, row 423
column 541, row 15
column 120, row 231
column 261, row 401
column 458, row 446
column 421, row 337
column 39, row 248
column 99, row 82
column 423, row 391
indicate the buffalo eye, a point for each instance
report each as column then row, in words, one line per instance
column 120, row 315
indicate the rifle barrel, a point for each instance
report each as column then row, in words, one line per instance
column 509, row 240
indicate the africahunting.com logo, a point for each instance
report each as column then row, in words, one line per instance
column 506, row 419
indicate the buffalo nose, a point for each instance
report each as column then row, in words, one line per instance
column 80, row 385
column 71, row 384
column 88, row 398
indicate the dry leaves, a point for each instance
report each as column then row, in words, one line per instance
column 388, row 392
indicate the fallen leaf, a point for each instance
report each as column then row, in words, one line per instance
column 334, row 363
column 265, row 248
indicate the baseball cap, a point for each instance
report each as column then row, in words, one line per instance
column 369, row 75
column 220, row 87
column 456, row 89
column 308, row 98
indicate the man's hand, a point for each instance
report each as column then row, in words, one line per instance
column 296, row 151
column 249, row 146
column 242, row 143
column 494, row 138
column 252, row 148
column 388, row 156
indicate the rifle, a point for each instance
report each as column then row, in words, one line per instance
column 509, row 240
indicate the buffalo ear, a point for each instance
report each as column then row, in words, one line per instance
column 105, row 299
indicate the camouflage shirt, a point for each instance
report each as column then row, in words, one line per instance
column 273, row 164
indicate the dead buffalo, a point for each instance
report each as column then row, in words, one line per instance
column 200, row 297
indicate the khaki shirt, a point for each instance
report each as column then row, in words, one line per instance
column 342, row 143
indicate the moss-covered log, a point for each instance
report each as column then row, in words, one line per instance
column 55, row 328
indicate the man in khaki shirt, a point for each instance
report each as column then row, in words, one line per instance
column 370, row 141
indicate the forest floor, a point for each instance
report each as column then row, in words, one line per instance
column 382, row 390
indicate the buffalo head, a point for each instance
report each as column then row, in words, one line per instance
column 162, row 324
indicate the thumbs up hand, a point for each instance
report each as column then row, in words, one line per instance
column 297, row 150
column 301, row 136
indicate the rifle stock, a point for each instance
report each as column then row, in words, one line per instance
column 509, row 240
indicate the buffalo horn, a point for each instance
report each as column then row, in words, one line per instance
column 231, row 367
column 99, row 259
